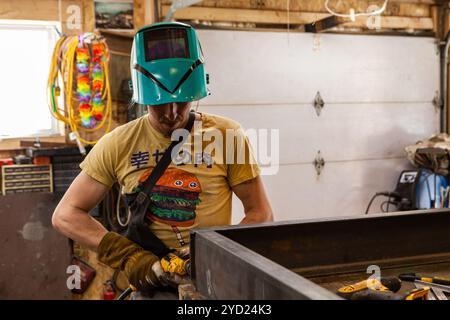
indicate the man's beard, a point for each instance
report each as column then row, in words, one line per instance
column 173, row 125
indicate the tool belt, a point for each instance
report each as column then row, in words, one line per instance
column 138, row 229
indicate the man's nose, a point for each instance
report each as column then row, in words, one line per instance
column 172, row 111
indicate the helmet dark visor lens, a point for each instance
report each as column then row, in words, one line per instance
column 165, row 44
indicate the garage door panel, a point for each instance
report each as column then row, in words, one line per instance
column 378, row 93
column 342, row 132
column 343, row 189
column 371, row 68
column 267, row 67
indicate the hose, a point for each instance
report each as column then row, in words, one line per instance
column 63, row 68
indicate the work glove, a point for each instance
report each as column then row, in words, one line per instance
column 139, row 265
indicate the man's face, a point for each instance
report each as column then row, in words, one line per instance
column 170, row 116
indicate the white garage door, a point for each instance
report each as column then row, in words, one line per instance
column 378, row 93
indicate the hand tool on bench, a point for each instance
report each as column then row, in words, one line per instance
column 438, row 291
column 415, row 294
column 413, row 277
column 385, row 284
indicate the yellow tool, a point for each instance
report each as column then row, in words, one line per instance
column 413, row 277
column 385, row 284
column 418, row 294
column 174, row 264
column 170, row 263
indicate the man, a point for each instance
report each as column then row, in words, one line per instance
column 194, row 191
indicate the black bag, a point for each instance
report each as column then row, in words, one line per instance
column 138, row 230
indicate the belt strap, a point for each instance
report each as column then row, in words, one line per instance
column 138, row 229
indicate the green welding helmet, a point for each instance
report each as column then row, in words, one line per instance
column 167, row 65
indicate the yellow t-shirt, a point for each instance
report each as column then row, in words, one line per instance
column 195, row 190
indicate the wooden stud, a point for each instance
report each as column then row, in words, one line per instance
column 89, row 16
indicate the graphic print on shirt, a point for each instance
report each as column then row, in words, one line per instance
column 174, row 198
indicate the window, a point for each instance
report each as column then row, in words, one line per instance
column 25, row 53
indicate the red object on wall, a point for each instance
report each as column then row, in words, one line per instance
column 6, row 161
column 41, row 160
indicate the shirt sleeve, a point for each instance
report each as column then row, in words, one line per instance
column 100, row 163
column 244, row 167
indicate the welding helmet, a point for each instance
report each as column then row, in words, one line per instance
column 167, row 65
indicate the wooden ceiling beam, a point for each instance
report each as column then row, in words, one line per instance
column 403, row 8
column 281, row 17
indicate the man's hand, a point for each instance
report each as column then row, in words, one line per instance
column 140, row 273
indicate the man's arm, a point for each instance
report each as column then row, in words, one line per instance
column 256, row 205
column 71, row 216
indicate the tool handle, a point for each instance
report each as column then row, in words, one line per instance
column 410, row 277
column 125, row 294
column 443, row 281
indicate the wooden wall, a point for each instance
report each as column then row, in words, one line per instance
column 75, row 15
column 404, row 15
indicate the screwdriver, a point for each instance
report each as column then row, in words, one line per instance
column 413, row 277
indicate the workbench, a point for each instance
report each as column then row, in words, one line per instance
column 311, row 259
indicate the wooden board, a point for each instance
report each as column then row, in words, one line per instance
column 402, row 8
column 284, row 17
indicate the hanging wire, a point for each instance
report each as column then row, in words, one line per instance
column 359, row 14
column 288, row 5
column 196, row 106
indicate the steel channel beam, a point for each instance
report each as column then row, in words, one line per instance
column 225, row 269
column 253, row 262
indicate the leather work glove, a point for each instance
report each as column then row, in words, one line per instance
column 118, row 252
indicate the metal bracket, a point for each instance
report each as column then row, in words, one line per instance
column 319, row 163
column 318, row 103
column 177, row 5
column 438, row 46
column 437, row 101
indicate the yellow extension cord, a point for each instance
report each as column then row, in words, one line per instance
column 62, row 64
